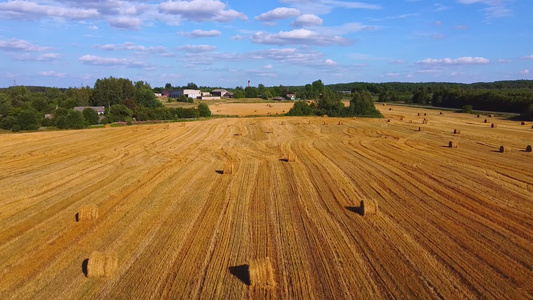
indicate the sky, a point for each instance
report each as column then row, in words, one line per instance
column 72, row 43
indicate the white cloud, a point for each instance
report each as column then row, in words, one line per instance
column 390, row 74
column 268, row 67
column 494, row 9
column 457, row 61
column 298, row 37
column 128, row 23
column 110, row 61
column 322, row 7
column 20, row 46
column 30, row 10
column 196, row 48
column 307, row 20
column 524, row 72
column 397, row 62
column 237, row 38
column 197, row 33
column 47, row 57
column 346, row 28
column 461, row 27
column 279, row 13
column 53, row 74
column 201, row 10
column 528, row 57
column 330, row 62
column 129, row 46
column 504, row 61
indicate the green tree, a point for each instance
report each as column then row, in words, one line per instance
column 28, row 120
column 145, row 97
column 300, row 108
column 110, row 91
column 363, row 105
column 5, row 105
column 8, row 122
column 204, row 110
column 75, row 120
column 91, row 116
column 168, row 86
column 192, row 86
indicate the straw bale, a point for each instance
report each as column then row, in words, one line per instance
column 88, row 213
column 291, row 157
column 102, row 264
column 261, row 273
column 528, row 148
column 452, row 144
column 504, row 149
column 493, row 125
column 369, row 207
column 228, row 168
column 457, row 131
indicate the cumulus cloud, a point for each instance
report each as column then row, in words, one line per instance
column 307, row 20
column 347, row 28
column 30, row 10
column 494, row 9
column 524, row 72
column 20, row 46
column 127, row 23
column 129, row 46
column 321, row 7
column 196, row 48
column 456, row 61
column 268, row 67
column 47, row 57
column 279, row 13
column 201, row 10
column 53, row 74
column 198, row 33
column 298, row 37
column 110, row 61
column 528, row 57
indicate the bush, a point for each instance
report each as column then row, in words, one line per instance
column 16, row 128
column 467, row 109
column 204, row 110
column 75, row 120
column 363, row 105
column 8, row 122
column 91, row 116
column 120, row 113
column 48, row 122
column 301, row 108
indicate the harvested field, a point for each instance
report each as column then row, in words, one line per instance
column 250, row 109
column 452, row 223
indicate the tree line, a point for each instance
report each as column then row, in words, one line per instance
column 29, row 108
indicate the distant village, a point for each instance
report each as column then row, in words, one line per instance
column 215, row 94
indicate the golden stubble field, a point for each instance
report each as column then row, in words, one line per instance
column 453, row 223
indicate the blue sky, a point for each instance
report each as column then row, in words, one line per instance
column 70, row 43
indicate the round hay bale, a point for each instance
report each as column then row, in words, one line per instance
column 457, row 131
column 261, row 273
column 325, row 116
column 420, row 129
column 491, row 115
column 418, row 114
column 479, row 116
column 353, row 118
column 388, row 121
column 369, row 207
column 87, row 213
column 493, row 125
column 452, row 144
column 441, row 113
column 282, row 123
column 228, row 168
column 486, row 121
column 425, row 114
column 425, row 121
column 291, row 157
column 504, row 149
column 107, row 126
column 325, row 123
column 523, row 123
column 528, row 148
column 390, row 108
column 383, row 104
column 340, row 123
column 102, row 264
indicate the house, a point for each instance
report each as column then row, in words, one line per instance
column 277, row 99
column 99, row 109
column 228, row 95
column 291, row 96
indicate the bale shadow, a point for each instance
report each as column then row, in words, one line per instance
column 84, row 267
column 356, row 209
column 221, row 172
column 77, row 216
column 283, row 160
column 241, row 272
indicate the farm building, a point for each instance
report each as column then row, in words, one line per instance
column 222, row 93
column 291, row 96
column 187, row 92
